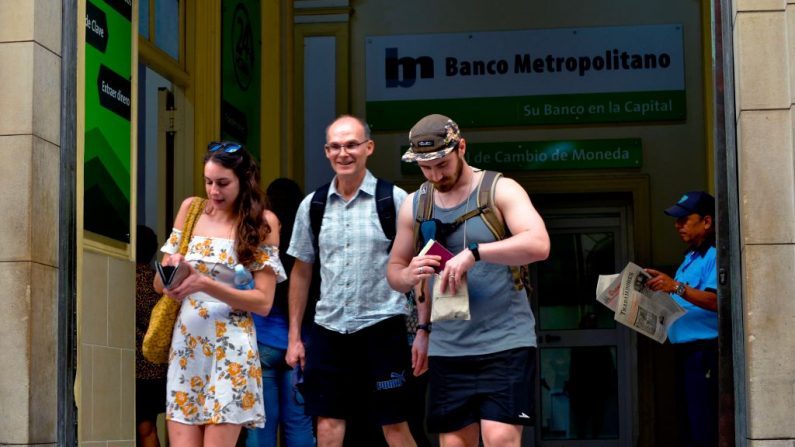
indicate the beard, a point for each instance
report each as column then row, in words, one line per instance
column 447, row 183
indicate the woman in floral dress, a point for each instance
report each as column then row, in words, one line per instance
column 214, row 384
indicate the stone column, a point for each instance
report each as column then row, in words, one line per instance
column 764, row 32
column 30, row 45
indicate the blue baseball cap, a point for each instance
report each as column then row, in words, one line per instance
column 698, row 202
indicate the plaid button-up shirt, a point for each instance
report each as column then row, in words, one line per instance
column 353, row 257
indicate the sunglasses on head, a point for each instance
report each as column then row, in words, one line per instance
column 226, row 146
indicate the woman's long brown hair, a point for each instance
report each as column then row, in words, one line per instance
column 250, row 204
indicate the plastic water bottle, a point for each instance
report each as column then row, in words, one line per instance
column 243, row 279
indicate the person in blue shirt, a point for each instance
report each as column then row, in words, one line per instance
column 284, row 408
column 695, row 334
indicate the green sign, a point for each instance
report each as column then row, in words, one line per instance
column 108, row 60
column 532, row 110
column 550, row 155
column 240, row 76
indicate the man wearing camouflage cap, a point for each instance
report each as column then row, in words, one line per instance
column 482, row 369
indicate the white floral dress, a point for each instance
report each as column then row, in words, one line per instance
column 214, row 373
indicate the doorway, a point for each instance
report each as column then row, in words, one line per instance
column 586, row 382
column 164, row 174
column 165, row 161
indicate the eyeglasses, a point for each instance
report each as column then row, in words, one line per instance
column 227, row 146
column 349, row 146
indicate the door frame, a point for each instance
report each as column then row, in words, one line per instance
column 569, row 217
column 635, row 187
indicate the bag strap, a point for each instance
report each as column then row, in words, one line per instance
column 485, row 209
column 486, row 188
column 195, row 210
column 385, row 206
column 484, row 202
column 486, row 191
column 316, row 209
column 423, row 211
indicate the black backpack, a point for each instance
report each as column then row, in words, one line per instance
column 384, row 204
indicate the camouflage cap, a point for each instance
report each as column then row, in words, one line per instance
column 432, row 137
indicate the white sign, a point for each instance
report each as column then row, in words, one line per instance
column 634, row 59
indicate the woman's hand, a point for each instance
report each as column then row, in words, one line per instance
column 194, row 282
column 174, row 259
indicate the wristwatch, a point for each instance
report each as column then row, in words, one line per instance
column 680, row 289
column 424, row 327
column 473, row 247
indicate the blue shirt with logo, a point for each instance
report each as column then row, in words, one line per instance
column 699, row 271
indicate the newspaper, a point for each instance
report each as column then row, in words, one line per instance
column 635, row 305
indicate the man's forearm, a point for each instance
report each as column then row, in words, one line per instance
column 297, row 309
column 394, row 276
column 423, row 303
column 523, row 248
column 701, row 298
column 297, row 298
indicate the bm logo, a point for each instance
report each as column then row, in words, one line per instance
column 393, row 64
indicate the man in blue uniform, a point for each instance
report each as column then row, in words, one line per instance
column 695, row 335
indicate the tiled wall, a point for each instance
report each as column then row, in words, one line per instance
column 107, row 351
column 764, row 52
column 30, row 33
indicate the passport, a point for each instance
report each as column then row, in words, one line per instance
column 435, row 248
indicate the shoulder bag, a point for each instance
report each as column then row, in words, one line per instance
column 157, row 341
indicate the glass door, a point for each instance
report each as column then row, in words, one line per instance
column 586, row 384
column 165, row 158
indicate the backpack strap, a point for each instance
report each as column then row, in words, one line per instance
column 486, row 188
column 424, row 211
column 316, row 209
column 487, row 211
column 385, row 206
column 425, row 208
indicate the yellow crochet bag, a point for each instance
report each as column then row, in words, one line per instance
column 157, row 341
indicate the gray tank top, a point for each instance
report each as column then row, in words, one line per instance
column 501, row 318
